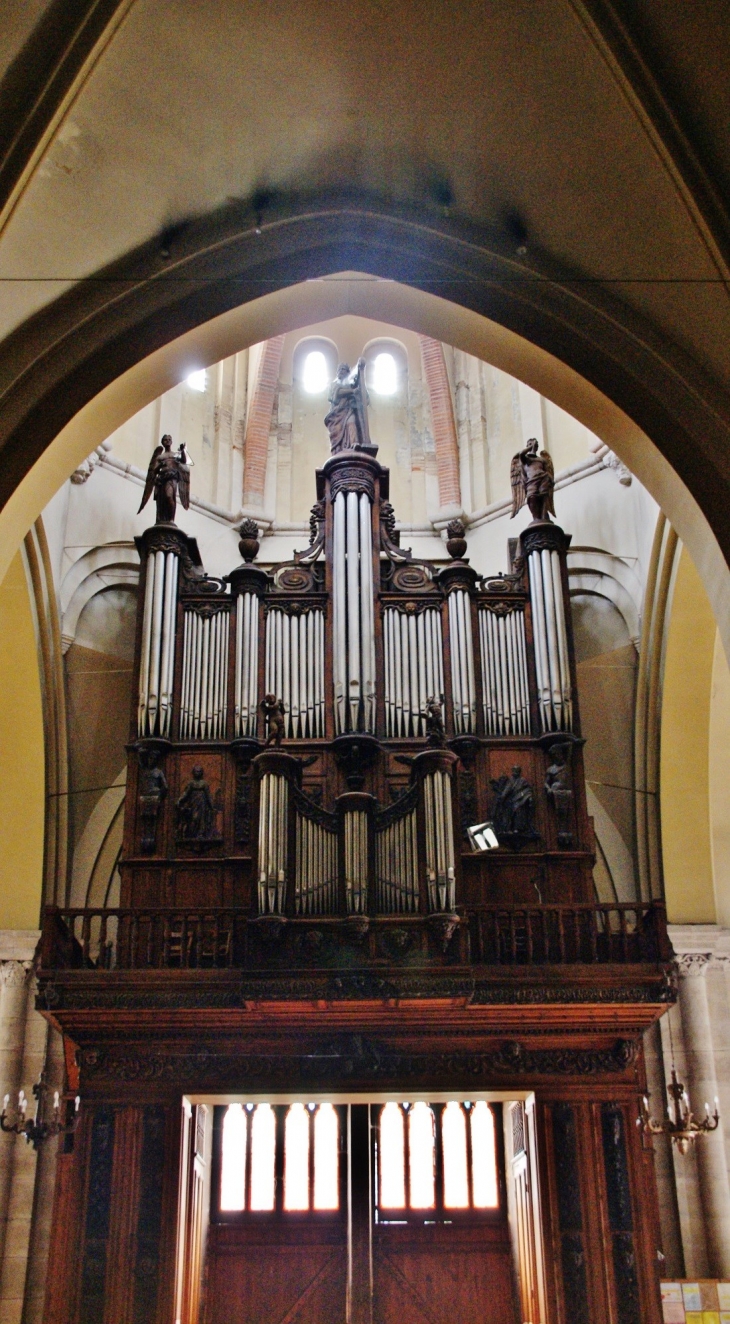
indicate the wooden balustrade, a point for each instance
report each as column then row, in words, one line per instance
column 171, row 938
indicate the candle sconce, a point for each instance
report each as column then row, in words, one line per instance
column 682, row 1127
column 42, row 1126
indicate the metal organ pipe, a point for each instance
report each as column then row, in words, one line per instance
column 294, row 669
column 504, row 672
column 339, row 612
column 367, row 612
column 204, row 698
column 247, row 665
column 440, row 868
column 315, row 887
column 551, row 644
column 356, row 861
column 463, row 687
column 412, row 647
column 353, row 612
column 157, row 661
column 396, row 864
column 273, row 843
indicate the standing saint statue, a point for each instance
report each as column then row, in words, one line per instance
column 347, row 421
column 533, row 481
column 169, row 477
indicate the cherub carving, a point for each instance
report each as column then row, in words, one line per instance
column 435, row 733
column 168, row 476
column 533, row 482
column 274, row 716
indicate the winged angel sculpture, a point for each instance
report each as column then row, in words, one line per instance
column 533, row 482
column 169, row 477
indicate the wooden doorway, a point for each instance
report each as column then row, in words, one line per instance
column 370, row 1213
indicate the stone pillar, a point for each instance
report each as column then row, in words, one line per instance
column 40, row 1215
column 23, row 1173
column 702, row 1086
column 13, row 1014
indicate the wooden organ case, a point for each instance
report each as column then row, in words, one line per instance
column 315, row 913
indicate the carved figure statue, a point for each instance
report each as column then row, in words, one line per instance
column 347, row 420
column 435, row 733
column 533, row 481
column 514, row 806
column 152, row 791
column 196, row 812
column 559, row 789
column 274, row 716
column 169, row 477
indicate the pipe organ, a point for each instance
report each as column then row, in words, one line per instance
column 357, row 858
column 413, row 701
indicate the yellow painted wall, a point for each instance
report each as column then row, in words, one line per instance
column 720, row 781
column 685, row 763
column 22, row 773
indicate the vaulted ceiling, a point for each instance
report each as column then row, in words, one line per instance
column 561, row 166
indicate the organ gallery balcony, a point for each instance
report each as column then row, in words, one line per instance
column 490, row 955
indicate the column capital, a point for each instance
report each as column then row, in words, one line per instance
column 692, row 965
column 14, row 973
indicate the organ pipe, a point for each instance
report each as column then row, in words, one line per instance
column 356, row 861
column 316, row 872
column 157, row 661
column 440, row 868
column 339, row 610
column 247, row 665
column 273, row 843
column 294, row 669
column 353, row 613
column 396, row 863
column 413, row 653
column 204, row 697
column 504, row 672
column 551, row 644
column 463, row 686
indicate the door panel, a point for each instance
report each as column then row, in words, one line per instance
column 440, row 1275
column 296, row 1276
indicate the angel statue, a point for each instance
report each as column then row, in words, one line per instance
column 533, row 481
column 169, row 477
column 347, row 421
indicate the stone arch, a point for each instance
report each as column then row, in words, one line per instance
column 97, row 354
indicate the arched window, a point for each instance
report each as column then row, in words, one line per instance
column 296, row 1158
column 263, row 1152
column 483, row 1157
column 392, row 1158
column 384, row 374
column 315, row 373
column 233, row 1160
column 197, row 380
column 456, row 1179
column 421, row 1165
column 326, row 1156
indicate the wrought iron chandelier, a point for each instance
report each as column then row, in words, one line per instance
column 680, row 1125
column 42, row 1126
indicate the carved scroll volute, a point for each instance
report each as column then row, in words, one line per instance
column 274, row 772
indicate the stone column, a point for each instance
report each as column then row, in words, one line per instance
column 702, row 1086
column 13, row 1014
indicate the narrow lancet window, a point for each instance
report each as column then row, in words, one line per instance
column 263, row 1152
column 233, row 1159
column 392, row 1158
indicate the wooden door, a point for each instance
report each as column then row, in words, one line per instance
column 442, row 1256
column 277, row 1250
column 441, row 1246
